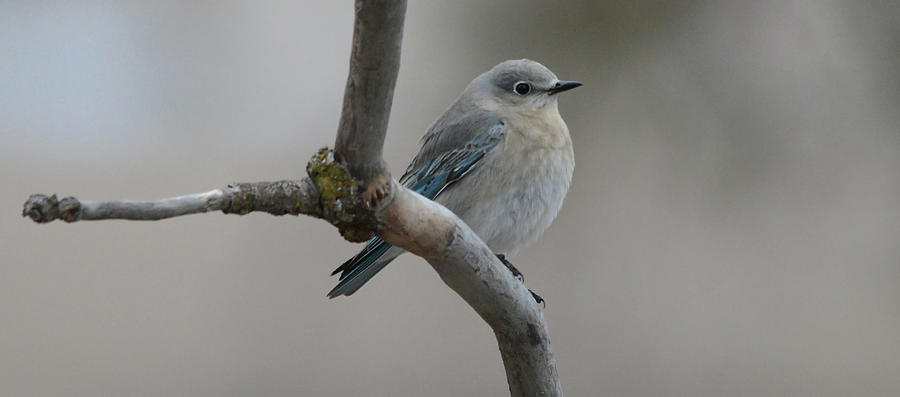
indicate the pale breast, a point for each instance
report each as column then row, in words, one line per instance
column 514, row 194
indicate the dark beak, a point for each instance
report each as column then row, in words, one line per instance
column 564, row 86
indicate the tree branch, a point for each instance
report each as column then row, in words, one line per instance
column 352, row 189
column 374, row 65
column 276, row 198
column 468, row 266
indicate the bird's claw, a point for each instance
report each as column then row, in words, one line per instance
column 512, row 269
column 538, row 299
column 519, row 276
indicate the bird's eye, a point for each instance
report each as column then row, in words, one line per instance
column 522, row 88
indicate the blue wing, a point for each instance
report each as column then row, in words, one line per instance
column 429, row 178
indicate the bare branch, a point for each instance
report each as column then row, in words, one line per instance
column 276, row 198
column 468, row 266
column 328, row 192
column 353, row 190
column 374, row 65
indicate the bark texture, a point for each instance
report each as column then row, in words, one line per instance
column 374, row 65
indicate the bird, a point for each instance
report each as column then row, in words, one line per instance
column 500, row 158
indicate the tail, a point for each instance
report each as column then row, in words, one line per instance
column 362, row 267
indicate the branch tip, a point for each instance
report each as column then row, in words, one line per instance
column 37, row 205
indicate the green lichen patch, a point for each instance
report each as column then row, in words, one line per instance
column 332, row 179
column 339, row 197
column 242, row 201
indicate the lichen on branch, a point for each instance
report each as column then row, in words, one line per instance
column 329, row 192
column 340, row 200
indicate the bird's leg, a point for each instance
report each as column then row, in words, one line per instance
column 519, row 276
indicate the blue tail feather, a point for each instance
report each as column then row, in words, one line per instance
column 359, row 269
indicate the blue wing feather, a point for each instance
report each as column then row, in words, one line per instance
column 428, row 180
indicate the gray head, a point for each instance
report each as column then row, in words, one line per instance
column 520, row 82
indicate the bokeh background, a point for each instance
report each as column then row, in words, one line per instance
column 733, row 228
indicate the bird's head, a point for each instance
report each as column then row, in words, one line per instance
column 522, row 84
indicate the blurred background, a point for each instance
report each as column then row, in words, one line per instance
column 733, row 227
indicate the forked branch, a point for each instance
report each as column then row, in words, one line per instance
column 353, row 190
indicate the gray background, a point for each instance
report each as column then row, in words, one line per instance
column 732, row 228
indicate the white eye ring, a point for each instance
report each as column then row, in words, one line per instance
column 522, row 88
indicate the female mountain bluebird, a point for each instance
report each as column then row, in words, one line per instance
column 500, row 158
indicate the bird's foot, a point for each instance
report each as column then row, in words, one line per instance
column 519, row 276
column 538, row 299
column 512, row 269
